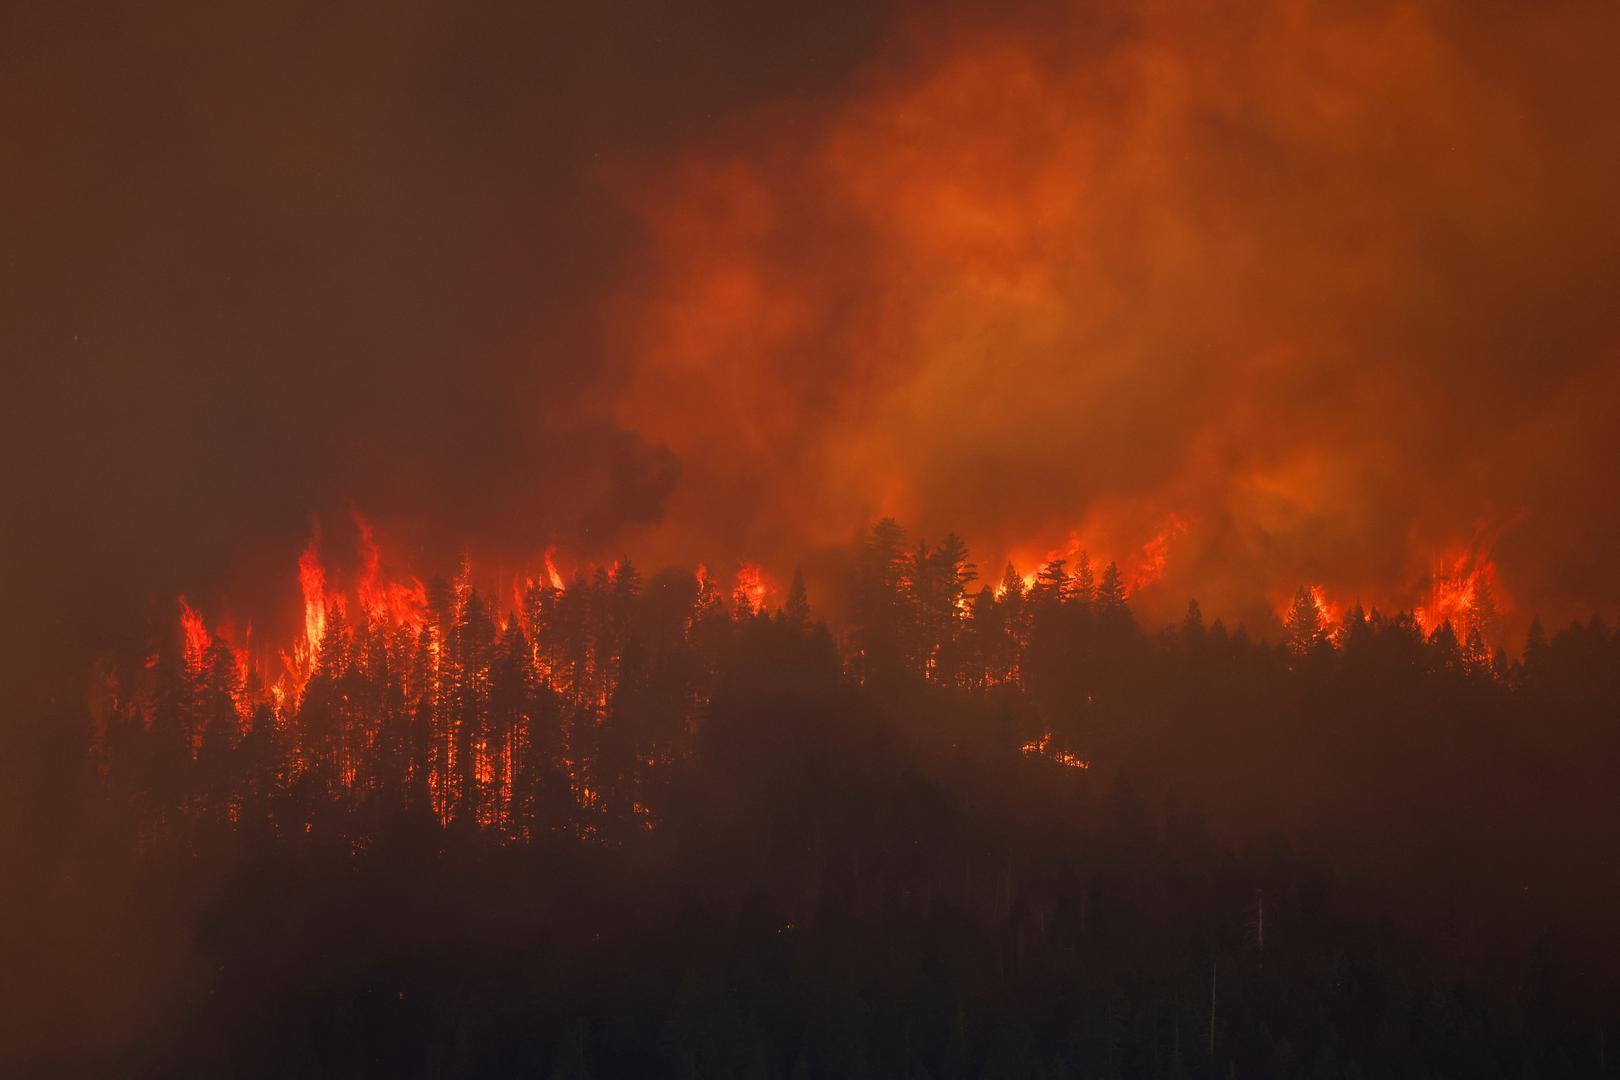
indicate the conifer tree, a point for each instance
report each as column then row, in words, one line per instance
column 797, row 610
column 1110, row 595
column 1085, row 583
column 1302, row 628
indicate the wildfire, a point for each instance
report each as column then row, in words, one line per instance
column 394, row 603
column 462, row 675
column 400, row 601
column 1329, row 612
column 1148, row 564
column 1139, row 569
column 194, row 636
column 1462, row 590
column 312, row 580
column 1041, row 748
column 752, row 588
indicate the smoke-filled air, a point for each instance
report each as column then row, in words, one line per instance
column 1035, row 539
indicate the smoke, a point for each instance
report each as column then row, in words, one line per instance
column 1324, row 284
column 1323, row 281
column 264, row 265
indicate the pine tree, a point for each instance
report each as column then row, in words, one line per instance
column 512, row 690
column 1192, row 625
column 1051, row 584
column 1444, row 647
column 221, row 729
column 1111, row 590
column 797, row 610
column 1535, row 649
column 1085, row 583
column 884, row 603
column 1011, row 602
column 1476, row 655
column 1357, row 631
column 470, row 651
column 1302, row 628
column 954, row 573
column 952, row 557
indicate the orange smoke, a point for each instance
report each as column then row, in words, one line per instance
column 1170, row 293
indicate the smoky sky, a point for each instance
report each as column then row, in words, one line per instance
column 1333, row 283
column 269, row 262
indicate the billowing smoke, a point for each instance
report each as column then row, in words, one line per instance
column 1297, row 294
column 1302, row 293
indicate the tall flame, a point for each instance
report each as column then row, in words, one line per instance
column 752, row 589
column 194, row 636
column 312, row 580
column 1462, row 591
column 394, row 603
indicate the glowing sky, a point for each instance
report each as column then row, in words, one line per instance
column 1327, row 286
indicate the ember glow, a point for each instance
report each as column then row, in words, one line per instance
column 1042, row 748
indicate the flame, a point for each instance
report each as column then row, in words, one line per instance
column 1462, row 590
column 1138, row 569
column 481, row 761
column 1041, row 748
column 312, row 581
column 1148, row 564
column 1329, row 612
column 751, row 590
column 194, row 636
column 393, row 603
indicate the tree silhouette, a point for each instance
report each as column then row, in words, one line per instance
column 1110, row 597
column 671, row 835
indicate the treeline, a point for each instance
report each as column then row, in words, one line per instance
column 1359, row 851
column 564, row 715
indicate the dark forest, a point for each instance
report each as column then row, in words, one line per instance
column 636, row 827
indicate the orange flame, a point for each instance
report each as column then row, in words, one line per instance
column 1138, row 571
column 1462, row 590
column 1041, row 748
column 751, row 590
column 552, row 576
column 1329, row 612
column 312, row 580
column 194, row 635
column 1148, row 564
column 395, row 603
